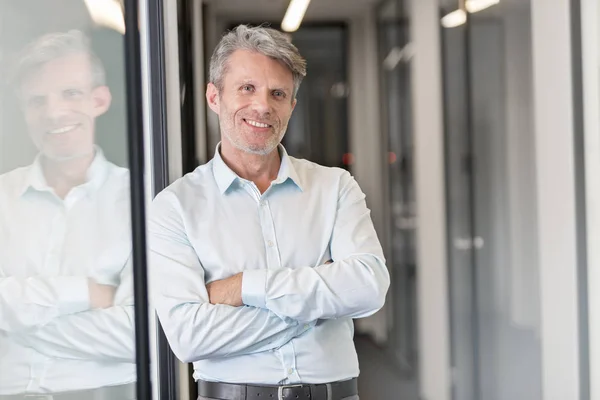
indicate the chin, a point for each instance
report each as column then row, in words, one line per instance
column 259, row 151
column 262, row 149
column 65, row 156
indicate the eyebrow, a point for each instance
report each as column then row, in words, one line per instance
column 249, row 81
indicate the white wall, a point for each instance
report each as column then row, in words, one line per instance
column 432, row 291
column 366, row 139
column 555, row 191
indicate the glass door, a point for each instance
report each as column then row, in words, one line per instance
column 395, row 52
column 492, row 206
column 73, row 298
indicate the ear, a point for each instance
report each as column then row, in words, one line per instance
column 212, row 98
column 294, row 104
column 101, row 98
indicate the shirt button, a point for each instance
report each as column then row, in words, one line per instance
column 263, row 203
column 291, row 370
column 270, row 243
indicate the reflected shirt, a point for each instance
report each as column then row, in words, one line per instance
column 296, row 324
column 50, row 340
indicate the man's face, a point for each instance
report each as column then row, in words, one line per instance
column 60, row 104
column 255, row 103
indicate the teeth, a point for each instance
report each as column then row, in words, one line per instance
column 257, row 124
column 64, row 129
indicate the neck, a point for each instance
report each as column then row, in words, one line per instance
column 64, row 175
column 260, row 169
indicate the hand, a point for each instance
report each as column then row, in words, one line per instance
column 226, row 291
column 101, row 296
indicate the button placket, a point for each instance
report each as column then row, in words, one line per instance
column 268, row 230
column 56, row 243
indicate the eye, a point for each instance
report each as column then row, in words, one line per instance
column 279, row 93
column 72, row 93
column 247, row 88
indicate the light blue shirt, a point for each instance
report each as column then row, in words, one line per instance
column 296, row 325
column 50, row 338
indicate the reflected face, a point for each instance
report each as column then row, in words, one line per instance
column 255, row 103
column 61, row 104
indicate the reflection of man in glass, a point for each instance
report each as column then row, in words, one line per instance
column 66, row 314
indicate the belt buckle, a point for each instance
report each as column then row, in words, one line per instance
column 281, row 388
column 39, row 397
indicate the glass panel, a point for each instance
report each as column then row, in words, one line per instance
column 395, row 55
column 66, row 290
column 459, row 206
column 491, row 203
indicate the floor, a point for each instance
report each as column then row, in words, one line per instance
column 379, row 379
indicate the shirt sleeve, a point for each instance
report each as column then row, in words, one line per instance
column 34, row 301
column 195, row 328
column 354, row 285
column 100, row 334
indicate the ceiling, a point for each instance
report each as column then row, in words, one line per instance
column 318, row 10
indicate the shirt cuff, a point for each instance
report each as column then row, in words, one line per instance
column 73, row 294
column 254, row 284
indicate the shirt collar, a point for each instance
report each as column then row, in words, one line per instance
column 225, row 177
column 96, row 175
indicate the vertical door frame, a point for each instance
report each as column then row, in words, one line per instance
column 432, row 273
column 136, row 155
column 556, row 176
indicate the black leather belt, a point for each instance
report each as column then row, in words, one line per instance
column 120, row 392
column 230, row 391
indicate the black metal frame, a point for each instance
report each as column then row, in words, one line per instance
column 186, row 77
column 166, row 360
column 133, row 70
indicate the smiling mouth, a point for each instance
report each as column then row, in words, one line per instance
column 62, row 130
column 257, row 124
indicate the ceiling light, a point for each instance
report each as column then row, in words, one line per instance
column 459, row 16
column 107, row 13
column 454, row 19
column 294, row 14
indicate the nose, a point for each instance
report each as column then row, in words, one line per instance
column 262, row 102
column 56, row 108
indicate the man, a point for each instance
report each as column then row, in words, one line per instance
column 262, row 260
column 66, row 314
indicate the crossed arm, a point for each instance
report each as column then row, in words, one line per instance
column 353, row 285
column 195, row 328
column 69, row 316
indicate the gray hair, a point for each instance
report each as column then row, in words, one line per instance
column 52, row 46
column 266, row 41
